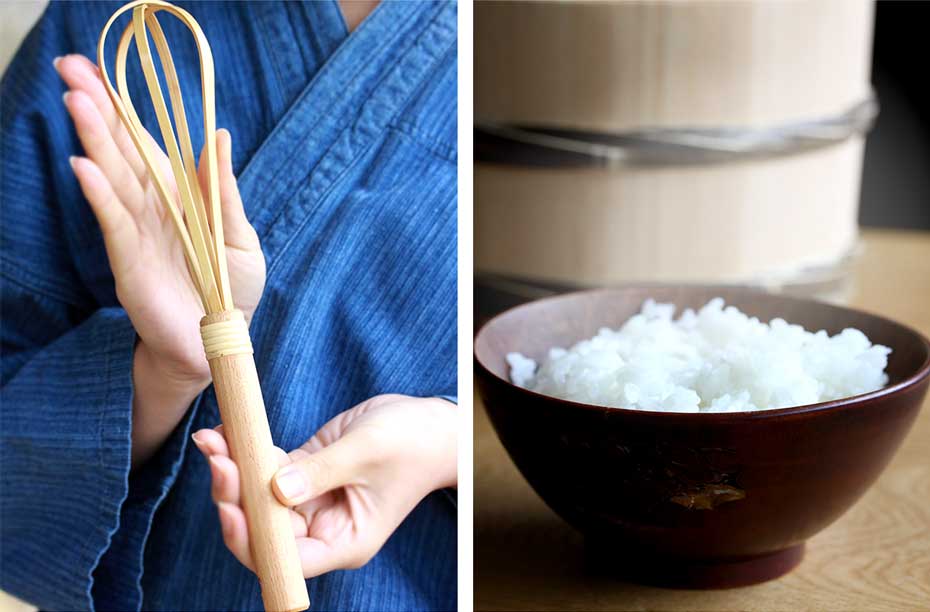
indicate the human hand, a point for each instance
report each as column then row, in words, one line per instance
column 151, row 275
column 351, row 484
column 152, row 279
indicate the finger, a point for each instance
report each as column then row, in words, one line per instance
column 282, row 456
column 299, row 523
column 311, row 508
column 312, row 474
column 224, row 474
column 117, row 225
column 225, row 488
column 211, row 442
column 237, row 231
column 198, row 442
column 235, row 533
column 162, row 166
column 99, row 145
column 319, row 557
column 80, row 73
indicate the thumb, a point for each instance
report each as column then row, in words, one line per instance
column 237, row 231
column 313, row 474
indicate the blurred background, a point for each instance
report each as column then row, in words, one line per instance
column 896, row 173
column 556, row 228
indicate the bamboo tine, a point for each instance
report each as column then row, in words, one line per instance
column 199, row 236
column 130, row 118
column 183, row 132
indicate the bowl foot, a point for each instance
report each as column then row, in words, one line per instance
column 689, row 573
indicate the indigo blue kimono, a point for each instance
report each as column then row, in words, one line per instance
column 345, row 148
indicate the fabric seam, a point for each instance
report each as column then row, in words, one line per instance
column 377, row 136
column 125, row 481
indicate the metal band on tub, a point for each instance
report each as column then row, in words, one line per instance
column 556, row 147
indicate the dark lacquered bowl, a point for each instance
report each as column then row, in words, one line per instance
column 695, row 500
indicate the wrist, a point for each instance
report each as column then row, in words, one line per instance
column 446, row 474
column 173, row 378
column 161, row 396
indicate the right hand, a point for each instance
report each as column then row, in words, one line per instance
column 351, row 484
column 152, row 279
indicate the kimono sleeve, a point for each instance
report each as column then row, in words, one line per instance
column 66, row 422
column 73, row 521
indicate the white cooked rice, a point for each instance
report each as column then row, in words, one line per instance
column 714, row 360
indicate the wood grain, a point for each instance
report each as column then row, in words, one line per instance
column 529, row 222
column 876, row 557
column 614, row 66
column 618, row 66
column 245, row 422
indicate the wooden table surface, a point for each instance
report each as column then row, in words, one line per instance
column 876, row 557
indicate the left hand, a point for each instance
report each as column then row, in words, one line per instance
column 150, row 272
column 351, row 484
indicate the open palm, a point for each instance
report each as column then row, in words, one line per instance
column 152, row 279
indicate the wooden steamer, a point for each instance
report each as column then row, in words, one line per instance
column 669, row 70
column 197, row 218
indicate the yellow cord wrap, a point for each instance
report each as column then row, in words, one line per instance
column 226, row 337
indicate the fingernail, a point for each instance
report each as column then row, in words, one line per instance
column 194, row 435
column 65, row 96
column 71, row 160
column 56, row 61
column 290, row 483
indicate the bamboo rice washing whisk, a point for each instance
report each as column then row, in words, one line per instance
column 198, row 221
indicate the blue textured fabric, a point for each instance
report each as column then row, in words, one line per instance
column 345, row 148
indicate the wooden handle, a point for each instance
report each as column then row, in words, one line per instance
column 271, row 534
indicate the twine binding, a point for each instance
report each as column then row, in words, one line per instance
column 226, row 337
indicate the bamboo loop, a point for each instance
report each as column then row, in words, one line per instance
column 201, row 235
column 127, row 114
column 197, row 217
column 191, row 217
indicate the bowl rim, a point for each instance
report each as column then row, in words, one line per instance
column 911, row 381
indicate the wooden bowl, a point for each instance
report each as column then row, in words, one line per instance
column 695, row 500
